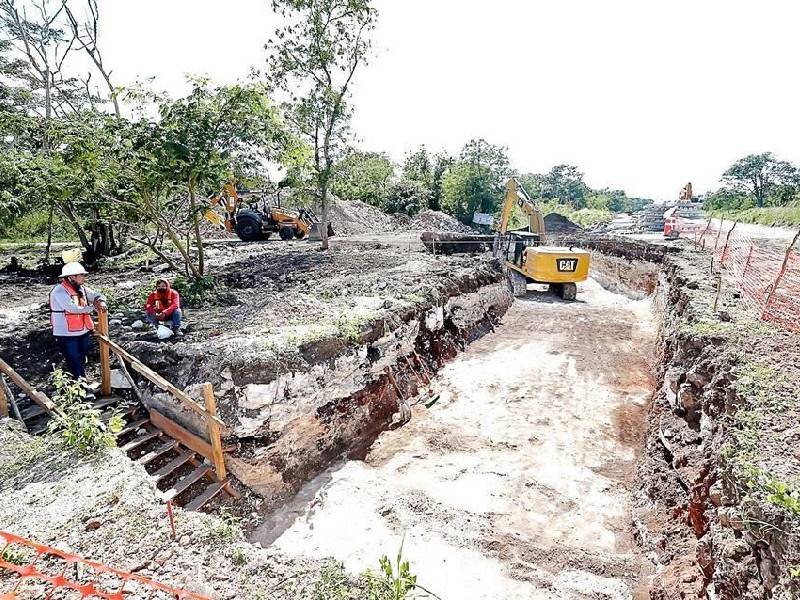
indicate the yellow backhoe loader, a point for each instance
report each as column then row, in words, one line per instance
column 260, row 218
column 527, row 260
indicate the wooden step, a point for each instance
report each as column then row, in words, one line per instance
column 107, row 401
column 184, row 484
column 124, row 413
column 154, row 454
column 133, row 426
column 210, row 492
column 32, row 412
column 182, row 459
column 142, row 439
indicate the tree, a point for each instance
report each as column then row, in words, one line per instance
column 476, row 182
column 427, row 170
column 198, row 144
column 407, row 197
column 363, row 176
column 314, row 58
column 565, row 183
column 758, row 175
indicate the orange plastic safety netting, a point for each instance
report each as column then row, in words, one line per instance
column 29, row 570
column 766, row 274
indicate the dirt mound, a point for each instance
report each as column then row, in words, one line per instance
column 438, row 221
column 556, row 223
column 353, row 217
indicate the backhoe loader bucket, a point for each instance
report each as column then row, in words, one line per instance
column 314, row 234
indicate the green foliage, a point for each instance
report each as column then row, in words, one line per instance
column 364, row 176
column 349, row 327
column 759, row 175
column 15, row 556
column 476, row 182
column 238, row 557
column 314, row 55
column 585, row 217
column 32, row 227
column 564, row 183
column 77, row 421
column 198, row 292
column 788, row 215
column 428, row 171
column 394, row 580
column 333, row 583
column 407, row 197
column 228, row 528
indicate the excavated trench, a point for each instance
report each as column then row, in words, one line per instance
column 521, row 469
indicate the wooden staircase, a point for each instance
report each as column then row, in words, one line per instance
column 177, row 460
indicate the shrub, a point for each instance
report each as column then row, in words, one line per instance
column 77, row 421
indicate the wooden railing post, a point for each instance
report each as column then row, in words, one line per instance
column 105, row 357
column 213, row 431
column 4, row 400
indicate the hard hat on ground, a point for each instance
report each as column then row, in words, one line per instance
column 72, row 268
column 71, row 255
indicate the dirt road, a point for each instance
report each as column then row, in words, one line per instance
column 515, row 484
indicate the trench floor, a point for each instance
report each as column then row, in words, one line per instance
column 516, row 483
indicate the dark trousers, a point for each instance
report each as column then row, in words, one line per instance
column 75, row 348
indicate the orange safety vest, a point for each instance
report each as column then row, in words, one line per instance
column 75, row 321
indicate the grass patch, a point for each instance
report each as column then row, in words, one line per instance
column 585, row 217
column 767, row 215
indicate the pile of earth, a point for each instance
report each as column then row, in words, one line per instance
column 556, row 223
column 433, row 220
column 353, row 217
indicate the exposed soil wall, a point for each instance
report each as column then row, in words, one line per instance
column 711, row 512
column 294, row 405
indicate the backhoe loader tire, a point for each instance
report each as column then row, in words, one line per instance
column 248, row 229
column 286, row 233
column 299, row 234
column 517, row 282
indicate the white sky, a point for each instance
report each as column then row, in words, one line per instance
column 642, row 96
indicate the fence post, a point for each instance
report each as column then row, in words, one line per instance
column 780, row 275
column 727, row 242
column 105, row 357
column 213, row 431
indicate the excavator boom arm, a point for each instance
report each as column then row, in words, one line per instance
column 516, row 194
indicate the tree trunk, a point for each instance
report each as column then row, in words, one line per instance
column 73, row 219
column 325, row 202
column 196, row 225
column 49, row 235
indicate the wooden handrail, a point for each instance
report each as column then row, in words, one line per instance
column 214, row 433
column 34, row 394
column 105, row 359
column 157, row 379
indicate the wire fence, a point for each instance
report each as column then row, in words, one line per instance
column 765, row 272
column 29, row 570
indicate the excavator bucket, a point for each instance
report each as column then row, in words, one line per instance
column 314, row 234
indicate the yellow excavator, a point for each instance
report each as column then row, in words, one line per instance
column 527, row 260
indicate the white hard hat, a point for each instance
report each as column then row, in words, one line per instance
column 163, row 332
column 72, row 268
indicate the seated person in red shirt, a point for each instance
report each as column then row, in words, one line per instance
column 163, row 307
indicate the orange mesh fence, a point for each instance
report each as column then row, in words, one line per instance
column 766, row 275
column 29, row 570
